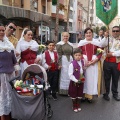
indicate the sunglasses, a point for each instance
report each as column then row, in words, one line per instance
column 11, row 27
column 115, row 31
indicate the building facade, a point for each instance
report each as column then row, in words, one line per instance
column 40, row 16
column 26, row 13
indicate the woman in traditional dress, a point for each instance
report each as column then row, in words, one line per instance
column 27, row 50
column 89, row 48
column 65, row 52
column 7, row 62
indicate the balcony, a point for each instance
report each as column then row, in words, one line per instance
column 61, row 17
column 21, row 16
column 54, row 2
column 61, row 13
column 12, row 3
column 79, row 4
column 71, row 16
column 91, row 18
column 80, row 17
column 70, row 28
column 84, row 20
column 71, row 3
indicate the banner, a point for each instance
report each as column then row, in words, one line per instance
column 106, row 10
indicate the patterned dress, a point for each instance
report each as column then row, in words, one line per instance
column 7, row 62
column 65, row 52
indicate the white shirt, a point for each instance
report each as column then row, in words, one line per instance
column 71, row 70
column 114, row 45
column 24, row 45
column 44, row 64
column 6, row 45
column 100, row 38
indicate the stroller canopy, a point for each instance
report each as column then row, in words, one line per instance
column 35, row 68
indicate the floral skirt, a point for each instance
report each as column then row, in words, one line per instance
column 75, row 90
column 5, row 93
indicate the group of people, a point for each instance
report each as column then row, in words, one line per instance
column 9, row 64
column 95, row 67
column 76, row 73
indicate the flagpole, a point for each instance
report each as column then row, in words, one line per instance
column 108, row 39
column 106, row 15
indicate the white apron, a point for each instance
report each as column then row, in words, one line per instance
column 91, row 78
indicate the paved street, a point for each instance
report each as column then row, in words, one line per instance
column 98, row 110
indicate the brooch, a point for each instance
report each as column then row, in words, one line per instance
column 76, row 69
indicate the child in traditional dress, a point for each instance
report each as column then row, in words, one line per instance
column 50, row 63
column 77, row 79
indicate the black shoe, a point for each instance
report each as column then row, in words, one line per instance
column 89, row 101
column 54, row 96
column 106, row 97
column 116, row 97
column 83, row 99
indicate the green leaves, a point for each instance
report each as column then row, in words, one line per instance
column 54, row 2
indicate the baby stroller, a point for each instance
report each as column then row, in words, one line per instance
column 32, row 107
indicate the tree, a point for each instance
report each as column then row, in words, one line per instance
column 57, row 22
column 97, row 30
column 67, row 28
column 54, row 2
column 104, row 28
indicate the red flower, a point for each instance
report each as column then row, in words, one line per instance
column 82, row 79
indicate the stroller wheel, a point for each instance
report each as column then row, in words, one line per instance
column 50, row 114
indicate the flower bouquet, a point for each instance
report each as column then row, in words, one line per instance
column 82, row 79
column 41, row 48
column 99, row 51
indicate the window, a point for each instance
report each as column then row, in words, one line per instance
column 91, row 11
column 43, row 9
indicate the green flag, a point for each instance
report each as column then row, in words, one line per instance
column 106, row 10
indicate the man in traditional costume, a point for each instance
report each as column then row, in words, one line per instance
column 10, row 29
column 111, row 64
column 50, row 63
